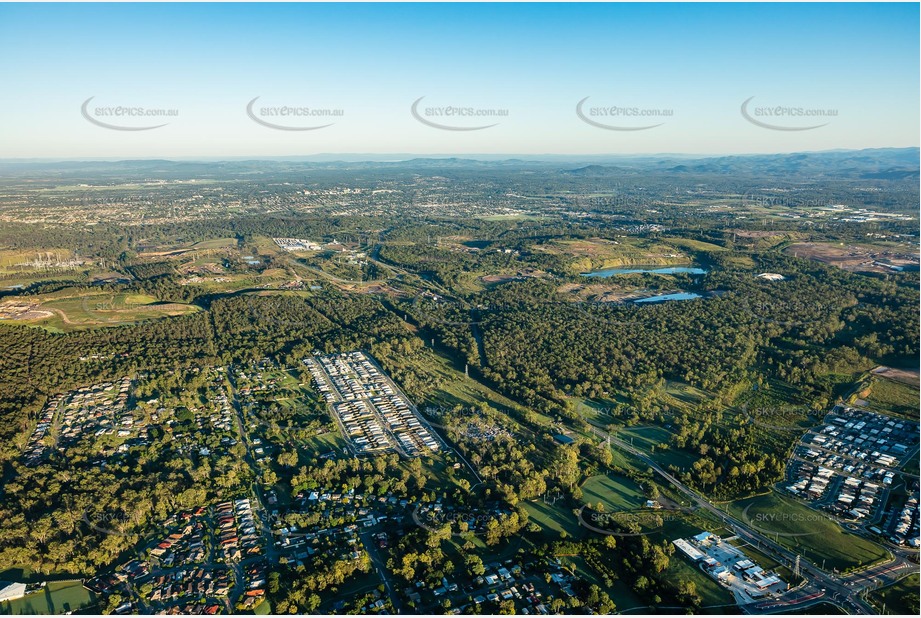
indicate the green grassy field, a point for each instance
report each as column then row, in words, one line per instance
column 644, row 437
column 893, row 397
column 617, row 493
column 899, row 598
column 694, row 245
column 554, row 518
column 216, row 243
column 740, row 261
column 823, row 539
column 711, row 593
column 648, row 437
column 592, row 410
column 57, row 598
column 685, row 393
column 331, row 441
column 75, row 309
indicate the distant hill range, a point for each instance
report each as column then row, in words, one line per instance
column 898, row 164
column 877, row 163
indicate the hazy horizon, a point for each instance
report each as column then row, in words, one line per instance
column 354, row 157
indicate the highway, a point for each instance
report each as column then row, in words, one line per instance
column 821, row 585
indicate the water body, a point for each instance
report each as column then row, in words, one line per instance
column 663, row 297
column 658, row 270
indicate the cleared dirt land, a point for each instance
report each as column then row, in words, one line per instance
column 898, row 375
column 854, row 257
column 72, row 309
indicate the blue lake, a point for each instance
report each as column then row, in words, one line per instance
column 658, row 270
column 664, row 297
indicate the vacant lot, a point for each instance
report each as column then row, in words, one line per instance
column 898, row 375
column 596, row 253
column 809, row 532
column 685, row 394
column 648, row 438
column 694, row 245
column 554, row 518
column 853, row 257
column 74, row 309
column 892, row 397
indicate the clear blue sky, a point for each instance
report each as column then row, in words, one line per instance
column 701, row 61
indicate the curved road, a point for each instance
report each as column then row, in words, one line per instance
column 819, row 582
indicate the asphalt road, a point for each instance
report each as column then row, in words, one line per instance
column 842, row 591
column 371, row 547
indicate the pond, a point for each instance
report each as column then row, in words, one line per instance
column 664, row 297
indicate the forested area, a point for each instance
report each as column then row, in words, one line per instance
column 819, row 321
column 539, row 349
column 545, row 348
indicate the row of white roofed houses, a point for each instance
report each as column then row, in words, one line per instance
column 406, row 426
column 864, row 448
column 851, row 467
column 813, row 482
column 857, row 499
column 904, row 524
column 868, row 436
column 361, row 426
column 907, row 523
column 362, row 397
